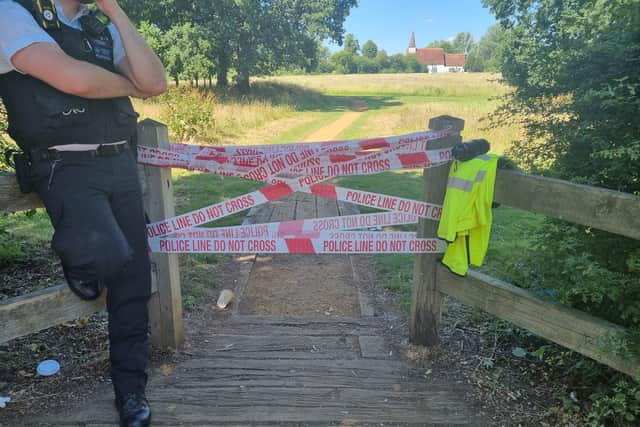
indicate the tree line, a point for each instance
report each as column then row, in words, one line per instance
column 201, row 41
column 352, row 58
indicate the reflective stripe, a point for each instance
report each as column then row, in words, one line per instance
column 460, row 184
column 480, row 175
column 483, row 157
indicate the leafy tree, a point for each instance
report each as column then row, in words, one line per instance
column 462, row 43
column 397, row 63
column 575, row 69
column 351, row 44
column 252, row 36
column 369, row 49
column 154, row 36
column 411, row 64
column 366, row 65
column 382, row 59
column 486, row 54
column 446, row 45
column 323, row 59
column 344, row 62
column 187, row 52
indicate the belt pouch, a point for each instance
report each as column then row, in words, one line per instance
column 23, row 172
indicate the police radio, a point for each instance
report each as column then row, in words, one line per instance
column 94, row 22
column 464, row 151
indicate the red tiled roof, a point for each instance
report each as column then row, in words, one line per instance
column 430, row 55
column 454, row 59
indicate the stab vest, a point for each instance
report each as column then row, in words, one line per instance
column 466, row 212
column 41, row 116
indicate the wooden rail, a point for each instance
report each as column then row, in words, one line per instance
column 599, row 208
column 50, row 307
column 570, row 328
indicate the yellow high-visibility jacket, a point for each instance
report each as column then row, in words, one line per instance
column 466, row 212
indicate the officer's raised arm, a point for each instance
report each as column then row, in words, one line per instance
column 49, row 63
column 140, row 64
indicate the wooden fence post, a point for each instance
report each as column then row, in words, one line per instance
column 165, row 306
column 426, row 300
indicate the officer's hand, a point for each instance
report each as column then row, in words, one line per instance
column 108, row 7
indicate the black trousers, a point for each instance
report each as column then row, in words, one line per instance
column 95, row 206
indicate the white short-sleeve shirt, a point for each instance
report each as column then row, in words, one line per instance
column 18, row 30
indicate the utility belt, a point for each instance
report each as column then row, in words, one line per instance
column 105, row 150
column 22, row 162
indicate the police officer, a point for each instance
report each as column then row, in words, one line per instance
column 66, row 73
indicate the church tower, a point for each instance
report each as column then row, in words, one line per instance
column 412, row 44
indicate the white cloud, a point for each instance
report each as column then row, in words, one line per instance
column 450, row 39
column 429, row 20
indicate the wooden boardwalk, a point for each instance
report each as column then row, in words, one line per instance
column 306, row 369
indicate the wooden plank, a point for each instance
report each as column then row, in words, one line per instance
column 595, row 207
column 354, row 373
column 165, row 306
column 348, row 208
column 357, row 368
column 426, row 300
column 42, row 309
column 296, row 325
column 261, row 214
column 283, row 209
column 12, row 200
column 280, row 347
column 570, row 328
column 437, row 404
column 305, row 206
column 374, row 347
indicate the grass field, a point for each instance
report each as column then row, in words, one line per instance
column 290, row 108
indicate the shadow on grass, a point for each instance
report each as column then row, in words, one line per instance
column 300, row 98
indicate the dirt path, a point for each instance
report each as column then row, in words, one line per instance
column 332, row 130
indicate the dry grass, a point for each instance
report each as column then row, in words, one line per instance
column 438, row 85
column 404, row 103
column 289, row 108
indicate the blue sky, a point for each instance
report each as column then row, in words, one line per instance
column 389, row 23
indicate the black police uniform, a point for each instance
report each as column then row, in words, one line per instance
column 92, row 197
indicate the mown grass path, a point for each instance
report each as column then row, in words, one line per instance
column 332, row 130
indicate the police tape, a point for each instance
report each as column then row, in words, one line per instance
column 308, row 227
column 307, row 163
column 185, row 153
column 329, row 146
column 351, row 243
column 217, row 210
column 409, row 146
column 301, row 168
column 397, row 205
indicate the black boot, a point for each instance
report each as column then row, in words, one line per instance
column 86, row 290
column 134, row 410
